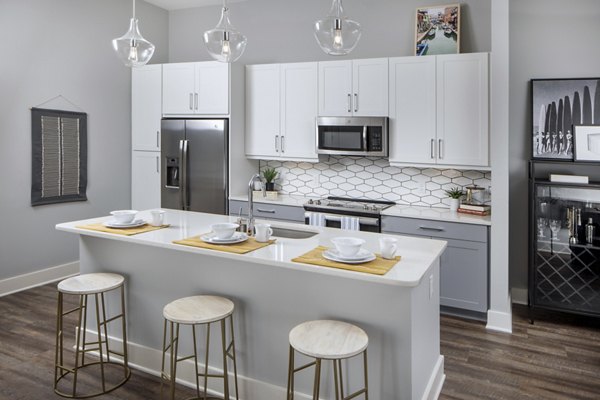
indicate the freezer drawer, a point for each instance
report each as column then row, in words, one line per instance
column 268, row 211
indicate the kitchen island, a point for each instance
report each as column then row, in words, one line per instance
column 398, row 310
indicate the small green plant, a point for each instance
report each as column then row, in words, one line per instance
column 455, row 193
column 270, row 174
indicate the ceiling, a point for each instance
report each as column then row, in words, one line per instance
column 181, row 4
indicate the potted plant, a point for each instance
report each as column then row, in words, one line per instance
column 455, row 194
column 270, row 174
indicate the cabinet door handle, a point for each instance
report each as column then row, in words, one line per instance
column 440, row 147
column 196, row 101
column 262, row 210
column 157, row 139
column 191, row 101
column 430, row 228
column 355, row 102
column 157, row 170
column 432, row 148
column 277, row 143
column 349, row 102
column 282, row 143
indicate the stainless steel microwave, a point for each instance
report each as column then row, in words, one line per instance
column 352, row 136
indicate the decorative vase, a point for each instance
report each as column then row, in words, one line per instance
column 454, row 203
column 270, row 186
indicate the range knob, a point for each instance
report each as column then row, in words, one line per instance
column 318, row 202
column 310, row 201
column 365, row 206
column 374, row 207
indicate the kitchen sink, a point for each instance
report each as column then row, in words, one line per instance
column 292, row 233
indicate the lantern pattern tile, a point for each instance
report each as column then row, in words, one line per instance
column 373, row 178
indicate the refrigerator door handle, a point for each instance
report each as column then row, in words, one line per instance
column 181, row 175
column 184, row 176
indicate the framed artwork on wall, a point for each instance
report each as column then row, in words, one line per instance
column 587, row 143
column 557, row 106
column 437, row 30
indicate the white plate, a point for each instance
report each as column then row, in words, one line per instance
column 363, row 256
column 237, row 237
column 118, row 225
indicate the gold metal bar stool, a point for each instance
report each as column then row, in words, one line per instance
column 198, row 310
column 327, row 340
column 85, row 286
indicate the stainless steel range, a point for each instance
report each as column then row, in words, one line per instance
column 334, row 208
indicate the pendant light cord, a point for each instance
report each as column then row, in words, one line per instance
column 133, row 9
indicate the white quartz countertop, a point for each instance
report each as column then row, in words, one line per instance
column 406, row 211
column 418, row 254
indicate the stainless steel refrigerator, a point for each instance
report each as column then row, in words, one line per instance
column 194, row 165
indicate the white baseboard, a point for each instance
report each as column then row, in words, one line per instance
column 436, row 381
column 37, row 278
column 519, row 296
column 499, row 321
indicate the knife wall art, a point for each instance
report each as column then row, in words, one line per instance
column 558, row 105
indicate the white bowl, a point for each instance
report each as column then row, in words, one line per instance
column 123, row 216
column 224, row 230
column 347, row 246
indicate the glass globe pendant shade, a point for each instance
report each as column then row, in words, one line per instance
column 336, row 34
column 224, row 43
column 131, row 48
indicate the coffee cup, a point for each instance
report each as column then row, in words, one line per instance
column 158, row 217
column 388, row 247
column 263, row 232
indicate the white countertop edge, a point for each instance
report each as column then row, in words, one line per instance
column 410, row 278
column 400, row 210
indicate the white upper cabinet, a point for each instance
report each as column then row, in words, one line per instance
column 439, row 110
column 146, row 107
column 298, row 110
column 196, row 88
column 463, row 109
column 353, row 87
column 281, row 107
column 412, row 110
column 262, row 110
column 145, row 180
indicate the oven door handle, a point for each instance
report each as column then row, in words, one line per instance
column 338, row 218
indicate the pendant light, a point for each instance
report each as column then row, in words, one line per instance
column 336, row 34
column 132, row 48
column 224, row 43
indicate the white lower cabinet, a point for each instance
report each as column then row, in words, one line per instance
column 281, row 106
column 145, row 180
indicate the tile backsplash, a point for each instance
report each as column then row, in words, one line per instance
column 373, row 178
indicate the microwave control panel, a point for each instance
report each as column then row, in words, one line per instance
column 375, row 141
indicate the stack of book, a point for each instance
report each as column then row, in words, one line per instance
column 474, row 209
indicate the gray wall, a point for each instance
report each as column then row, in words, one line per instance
column 549, row 39
column 62, row 47
column 281, row 30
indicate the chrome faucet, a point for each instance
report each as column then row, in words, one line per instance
column 255, row 178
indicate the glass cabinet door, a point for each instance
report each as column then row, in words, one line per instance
column 567, row 247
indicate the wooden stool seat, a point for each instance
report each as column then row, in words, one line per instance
column 90, row 283
column 329, row 340
column 198, row 310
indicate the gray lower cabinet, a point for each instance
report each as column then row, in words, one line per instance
column 268, row 211
column 463, row 266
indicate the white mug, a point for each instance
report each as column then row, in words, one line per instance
column 263, row 232
column 158, row 217
column 388, row 247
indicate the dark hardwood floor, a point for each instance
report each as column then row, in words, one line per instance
column 556, row 358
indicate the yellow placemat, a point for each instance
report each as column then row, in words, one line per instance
column 239, row 248
column 122, row 231
column 379, row 266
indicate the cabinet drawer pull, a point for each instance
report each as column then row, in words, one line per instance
column 430, row 228
column 349, row 102
column 191, row 101
column 157, row 168
column 355, row 102
column 432, row 148
column 265, row 211
column 277, row 143
column 196, row 101
column 282, row 143
column 157, row 139
column 440, row 147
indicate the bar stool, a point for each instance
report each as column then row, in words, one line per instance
column 327, row 340
column 95, row 285
column 198, row 310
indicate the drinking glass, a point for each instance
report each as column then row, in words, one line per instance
column 541, row 224
column 555, row 228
